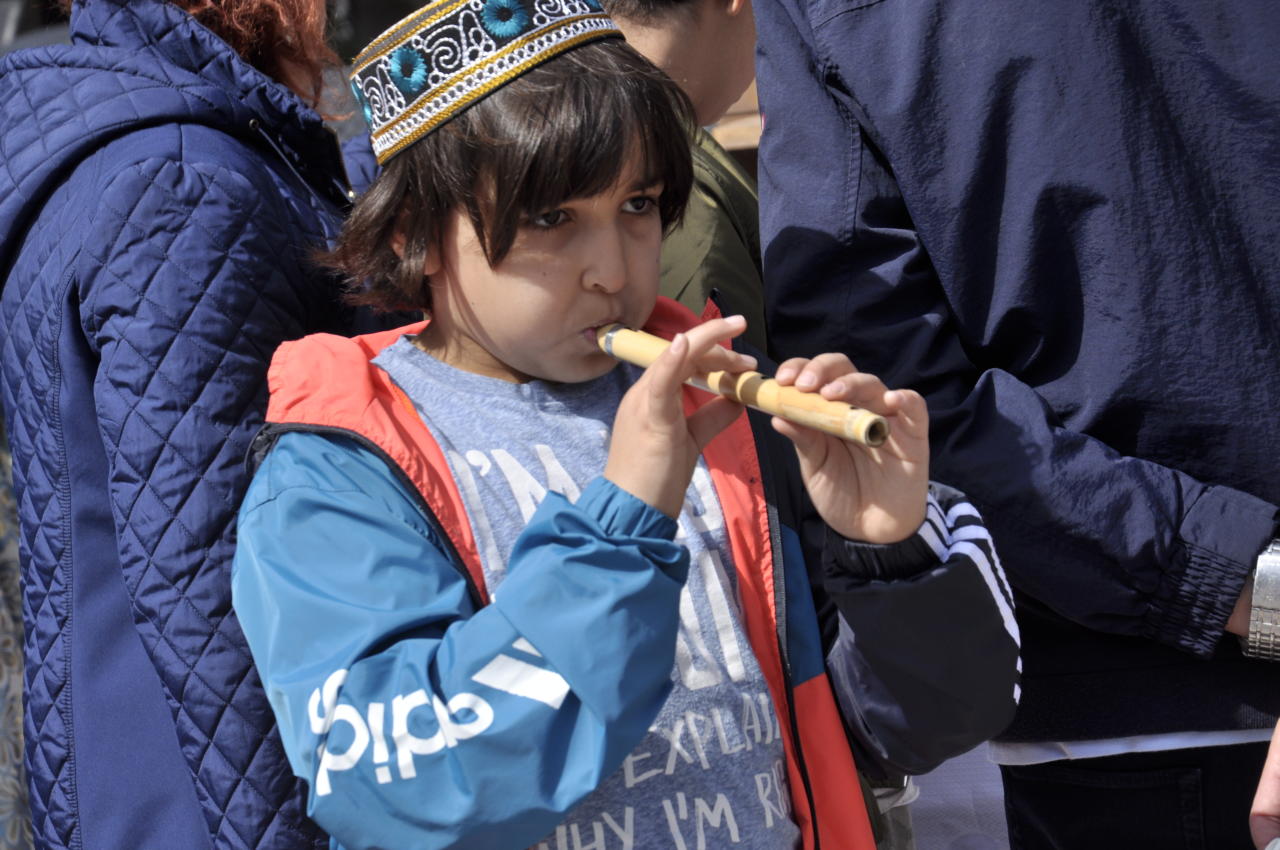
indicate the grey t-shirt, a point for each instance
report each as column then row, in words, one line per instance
column 711, row 772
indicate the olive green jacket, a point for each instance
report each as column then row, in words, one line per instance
column 717, row 246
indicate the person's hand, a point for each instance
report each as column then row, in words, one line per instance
column 1264, row 815
column 654, row 446
column 874, row 495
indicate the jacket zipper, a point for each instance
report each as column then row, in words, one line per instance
column 780, row 606
column 779, row 590
column 345, row 194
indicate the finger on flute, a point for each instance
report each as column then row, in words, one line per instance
column 756, row 390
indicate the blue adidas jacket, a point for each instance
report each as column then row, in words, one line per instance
column 422, row 717
column 157, row 205
column 1057, row 221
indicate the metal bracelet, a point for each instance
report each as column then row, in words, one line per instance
column 1263, row 641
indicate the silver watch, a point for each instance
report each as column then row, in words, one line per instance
column 1264, row 617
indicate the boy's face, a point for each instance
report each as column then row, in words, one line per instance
column 589, row 262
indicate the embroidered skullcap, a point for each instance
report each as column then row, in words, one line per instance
column 450, row 53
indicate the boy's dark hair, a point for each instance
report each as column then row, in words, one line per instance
column 565, row 129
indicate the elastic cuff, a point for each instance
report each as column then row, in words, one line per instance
column 850, row 563
column 1219, row 541
column 620, row 513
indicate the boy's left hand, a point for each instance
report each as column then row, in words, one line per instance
column 874, row 495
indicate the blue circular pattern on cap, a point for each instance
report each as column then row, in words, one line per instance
column 504, row 18
column 481, row 43
column 408, row 71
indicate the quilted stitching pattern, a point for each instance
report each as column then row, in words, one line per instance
column 40, row 488
column 183, row 279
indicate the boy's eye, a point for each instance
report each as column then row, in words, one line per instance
column 548, row 219
column 640, row 204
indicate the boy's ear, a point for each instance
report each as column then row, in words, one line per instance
column 432, row 263
column 735, row 7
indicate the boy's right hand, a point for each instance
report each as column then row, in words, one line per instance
column 655, row 447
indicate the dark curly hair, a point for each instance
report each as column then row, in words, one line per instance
column 565, row 129
column 268, row 34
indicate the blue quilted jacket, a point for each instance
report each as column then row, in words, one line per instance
column 158, row 202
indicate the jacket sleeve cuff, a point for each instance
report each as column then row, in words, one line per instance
column 851, row 563
column 1218, row 543
column 622, row 514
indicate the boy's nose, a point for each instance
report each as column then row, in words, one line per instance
column 606, row 266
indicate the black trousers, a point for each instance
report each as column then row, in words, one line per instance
column 1177, row 800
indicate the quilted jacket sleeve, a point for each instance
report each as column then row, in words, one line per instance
column 189, row 278
column 417, row 719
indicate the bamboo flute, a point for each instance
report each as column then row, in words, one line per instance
column 755, row 390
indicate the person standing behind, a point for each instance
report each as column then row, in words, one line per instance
column 708, row 48
column 1057, row 222
column 166, row 178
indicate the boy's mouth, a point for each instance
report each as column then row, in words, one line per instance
column 592, row 331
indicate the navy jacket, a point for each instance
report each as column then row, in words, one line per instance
column 158, row 202
column 1061, row 223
